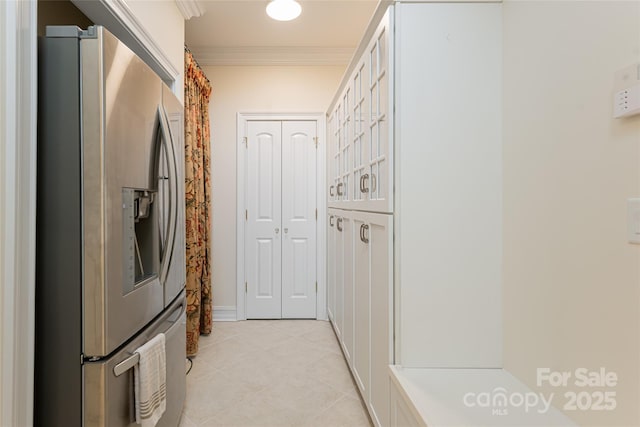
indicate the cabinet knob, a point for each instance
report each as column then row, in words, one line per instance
column 277, row 230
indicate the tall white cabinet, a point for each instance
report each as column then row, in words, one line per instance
column 414, row 190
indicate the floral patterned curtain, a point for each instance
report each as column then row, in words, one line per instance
column 197, row 91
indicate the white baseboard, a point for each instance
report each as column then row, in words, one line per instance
column 224, row 313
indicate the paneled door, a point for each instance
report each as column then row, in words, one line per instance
column 280, row 246
column 263, row 247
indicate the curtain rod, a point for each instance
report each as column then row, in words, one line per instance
column 186, row 49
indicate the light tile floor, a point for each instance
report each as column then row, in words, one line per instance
column 271, row 373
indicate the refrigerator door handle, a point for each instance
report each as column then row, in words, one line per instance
column 126, row 364
column 167, row 140
column 133, row 360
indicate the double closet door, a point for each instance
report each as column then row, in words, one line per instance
column 280, row 219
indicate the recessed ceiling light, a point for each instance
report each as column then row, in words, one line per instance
column 284, row 10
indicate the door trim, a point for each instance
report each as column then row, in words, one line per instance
column 321, row 238
column 18, row 114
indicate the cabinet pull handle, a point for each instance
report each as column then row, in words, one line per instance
column 339, row 188
column 374, row 183
column 363, row 183
column 363, row 230
column 331, row 191
column 339, row 224
column 331, row 220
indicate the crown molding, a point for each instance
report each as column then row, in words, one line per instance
column 260, row 55
column 190, row 8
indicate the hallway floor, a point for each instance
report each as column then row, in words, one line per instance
column 271, row 373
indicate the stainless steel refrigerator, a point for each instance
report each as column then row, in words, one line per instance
column 110, row 230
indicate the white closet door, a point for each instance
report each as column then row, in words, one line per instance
column 299, row 219
column 263, row 250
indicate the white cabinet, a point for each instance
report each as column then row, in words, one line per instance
column 361, row 130
column 448, row 187
column 340, row 277
column 348, row 322
column 362, row 294
column 331, row 265
column 360, row 250
column 416, row 147
column 401, row 413
column 376, row 232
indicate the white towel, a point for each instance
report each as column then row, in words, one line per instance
column 150, row 377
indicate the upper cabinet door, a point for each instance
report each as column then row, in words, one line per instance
column 343, row 190
column 376, row 184
column 334, row 156
column 360, row 132
column 361, row 125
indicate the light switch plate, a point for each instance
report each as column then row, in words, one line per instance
column 633, row 220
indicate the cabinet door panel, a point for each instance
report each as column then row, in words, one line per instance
column 332, row 159
column 379, row 233
column 331, row 266
column 347, row 286
column 360, row 134
column 345, row 192
column 378, row 172
column 361, row 308
column 339, row 266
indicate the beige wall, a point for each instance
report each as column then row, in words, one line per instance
column 59, row 12
column 246, row 89
column 571, row 280
column 165, row 24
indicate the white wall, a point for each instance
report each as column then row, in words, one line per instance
column 571, row 280
column 265, row 89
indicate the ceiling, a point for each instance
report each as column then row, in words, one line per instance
column 239, row 32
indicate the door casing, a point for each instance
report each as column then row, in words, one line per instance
column 321, row 238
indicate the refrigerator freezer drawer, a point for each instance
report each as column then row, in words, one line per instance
column 109, row 399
